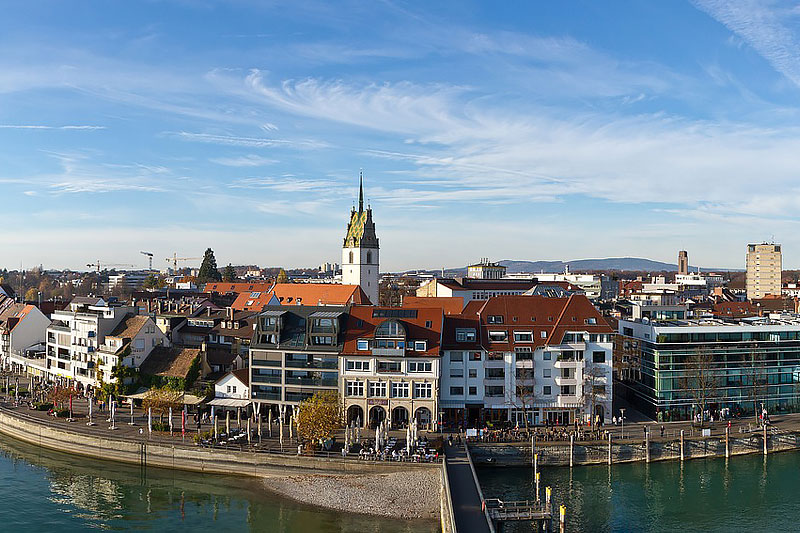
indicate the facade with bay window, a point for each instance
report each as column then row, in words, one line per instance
column 390, row 366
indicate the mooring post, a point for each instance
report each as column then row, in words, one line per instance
column 535, row 464
column 727, row 442
column 681, row 445
column 537, row 488
column 647, row 445
column 765, row 439
column 609, row 448
column 548, row 495
column 571, row 445
column 562, row 519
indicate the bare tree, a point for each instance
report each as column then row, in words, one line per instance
column 756, row 379
column 523, row 395
column 593, row 388
column 700, row 379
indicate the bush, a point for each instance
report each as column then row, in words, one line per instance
column 62, row 413
column 160, row 426
column 39, row 406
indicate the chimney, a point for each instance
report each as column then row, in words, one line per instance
column 208, row 310
column 149, row 306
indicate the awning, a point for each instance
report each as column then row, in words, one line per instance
column 229, row 402
column 186, row 399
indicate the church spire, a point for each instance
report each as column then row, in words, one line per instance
column 360, row 191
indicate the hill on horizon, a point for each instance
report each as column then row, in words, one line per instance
column 582, row 265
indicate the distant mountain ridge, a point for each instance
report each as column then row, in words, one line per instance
column 611, row 263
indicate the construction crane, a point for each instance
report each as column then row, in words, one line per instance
column 149, row 257
column 104, row 266
column 174, row 260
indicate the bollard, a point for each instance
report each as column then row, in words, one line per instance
column 609, row 448
column 548, row 494
column 537, row 487
column 681, row 445
column 535, row 464
column 765, row 439
column 727, row 442
column 647, row 445
column 562, row 519
column 571, row 444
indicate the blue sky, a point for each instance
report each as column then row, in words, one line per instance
column 520, row 130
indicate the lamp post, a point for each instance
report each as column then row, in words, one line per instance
column 622, row 411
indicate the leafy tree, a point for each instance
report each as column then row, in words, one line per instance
column 31, row 295
column 153, row 282
column 208, row 269
column 229, row 274
column 283, row 277
column 320, row 416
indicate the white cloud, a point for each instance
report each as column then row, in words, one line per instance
column 249, row 160
column 42, row 127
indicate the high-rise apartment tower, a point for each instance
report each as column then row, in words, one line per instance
column 764, row 267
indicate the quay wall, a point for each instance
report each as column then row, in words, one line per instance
column 630, row 450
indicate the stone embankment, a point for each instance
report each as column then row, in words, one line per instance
column 400, row 490
column 405, row 495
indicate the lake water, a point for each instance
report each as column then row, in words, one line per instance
column 745, row 493
column 43, row 491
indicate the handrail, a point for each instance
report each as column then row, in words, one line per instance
column 451, row 514
column 478, row 486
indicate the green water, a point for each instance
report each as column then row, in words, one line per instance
column 746, row 493
column 42, row 491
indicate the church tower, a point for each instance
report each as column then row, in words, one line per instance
column 360, row 250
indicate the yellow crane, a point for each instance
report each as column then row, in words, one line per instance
column 174, row 260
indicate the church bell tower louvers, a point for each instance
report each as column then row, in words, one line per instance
column 360, row 265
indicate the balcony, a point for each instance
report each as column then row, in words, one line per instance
column 389, row 352
column 265, row 362
column 312, row 382
column 312, row 364
column 566, row 381
column 266, row 395
column 568, row 363
column 256, row 378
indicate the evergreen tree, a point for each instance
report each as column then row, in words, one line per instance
column 208, row 270
column 229, row 274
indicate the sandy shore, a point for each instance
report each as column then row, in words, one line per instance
column 407, row 495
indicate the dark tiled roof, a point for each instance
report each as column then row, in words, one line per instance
column 169, row 362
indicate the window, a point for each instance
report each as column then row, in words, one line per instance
column 228, row 390
column 388, row 366
column 494, row 319
column 495, row 373
column 568, row 390
column 547, row 356
column 420, row 346
column 473, row 391
column 547, row 390
column 428, row 324
column 322, row 340
column 523, row 353
column 495, row 391
column 377, row 389
column 599, row 390
column 598, row 357
column 498, row 336
column 456, row 391
column 399, row 389
column 351, row 257
column 465, row 335
column 546, row 372
column 420, row 366
column 255, row 294
column 590, row 321
column 355, row 388
column 474, row 356
column 523, row 336
column 363, row 345
column 456, row 357
column 473, row 372
column 543, row 334
column 369, row 258
column 360, row 366
column 423, row 390
column 390, row 328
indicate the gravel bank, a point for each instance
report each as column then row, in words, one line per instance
column 407, row 495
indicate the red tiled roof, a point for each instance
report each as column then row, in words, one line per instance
column 238, row 288
column 361, row 325
column 451, row 305
column 303, row 294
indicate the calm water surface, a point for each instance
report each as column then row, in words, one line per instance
column 42, row 491
column 743, row 494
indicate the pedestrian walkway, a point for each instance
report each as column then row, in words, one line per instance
column 464, row 492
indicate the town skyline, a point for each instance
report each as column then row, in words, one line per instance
column 551, row 132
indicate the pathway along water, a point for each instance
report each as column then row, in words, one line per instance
column 746, row 493
column 48, row 491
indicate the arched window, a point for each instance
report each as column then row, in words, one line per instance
column 351, row 257
column 369, row 258
column 390, row 328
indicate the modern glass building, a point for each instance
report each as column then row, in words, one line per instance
column 670, row 368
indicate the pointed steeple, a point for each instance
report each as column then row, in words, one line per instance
column 360, row 191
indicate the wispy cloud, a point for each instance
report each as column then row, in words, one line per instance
column 249, row 160
column 765, row 26
column 43, row 127
column 249, row 142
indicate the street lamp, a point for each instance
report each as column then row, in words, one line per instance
column 622, row 412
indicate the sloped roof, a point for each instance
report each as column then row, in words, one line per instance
column 129, row 327
column 451, row 305
column 362, row 322
column 303, row 294
column 169, row 362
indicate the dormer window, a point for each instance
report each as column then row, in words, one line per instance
column 494, row 319
column 465, row 335
column 390, row 328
